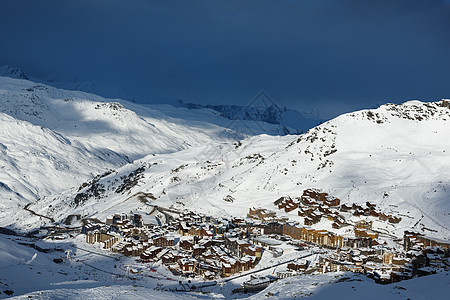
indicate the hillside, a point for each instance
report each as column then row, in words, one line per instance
column 119, row 125
column 54, row 139
column 395, row 156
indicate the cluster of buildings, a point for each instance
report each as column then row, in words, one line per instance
column 421, row 256
column 270, row 224
column 361, row 252
column 314, row 205
column 192, row 244
column 386, row 266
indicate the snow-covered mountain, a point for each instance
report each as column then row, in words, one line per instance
column 264, row 110
column 53, row 139
column 56, row 144
column 395, row 156
column 261, row 109
column 36, row 161
column 13, row 72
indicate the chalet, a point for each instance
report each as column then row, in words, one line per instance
column 358, row 212
column 357, row 242
column 260, row 213
column 371, row 205
column 399, row 261
column 197, row 250
column 247, row 262
column 281, row 200
column 307, row 201
column 187, row 265
column 290, row 207
column 383, row 216
column 183, row 228
column 164, row 241
column 97, row 236
column 168, row 258
column 374, row 213
column 111, row 242
column 227, row 270
column 313, row 218
column 352, row 268
column 187, row 244
column 242, row 245
column 315, row 194
column 445, row 103
column 161, row 254
column 298, row 265
column 89, row 227
column 394, row 220
column 172, row 256
column 207, row 269
column 220, row 228
column 238, row 221
column 305, row 211
column 129, row 250
column 365, row 234
column 330, row 264
column 232, row 245
column 255, row 251
column 324, row 209
column 411, row 239
column 357, row 207
column 205, row 242
column 363, row 225
column 199, row 231
column 332, row 201
column 389, row 218
column 345, row 208
column 332, row 216
column 337, row 224
column 273, row 228
column 207, row 255
column 235, row 265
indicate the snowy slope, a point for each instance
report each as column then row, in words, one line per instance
column 122, row 126
column 53, row 139
column 29, row 273
column 100, row 123
column 38, row 162
column 260, row 109
column 395, row 156
column 348, row 285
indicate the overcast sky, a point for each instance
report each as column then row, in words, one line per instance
column 336, row 55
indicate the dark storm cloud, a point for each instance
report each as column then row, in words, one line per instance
column 313, row 53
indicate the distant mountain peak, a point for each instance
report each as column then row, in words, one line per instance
column 262, row 109
column 13, row 72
